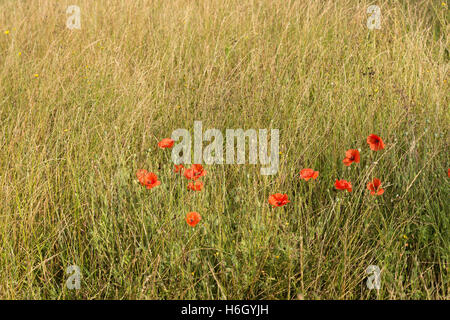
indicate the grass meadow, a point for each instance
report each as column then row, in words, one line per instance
column 82, row 110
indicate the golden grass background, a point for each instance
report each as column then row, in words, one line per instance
column 82, row 110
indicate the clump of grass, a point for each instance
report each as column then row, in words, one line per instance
column 82, row 110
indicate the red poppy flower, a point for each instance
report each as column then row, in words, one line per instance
column 308, row 174
column 141, row 173
column 178, row 168
column 192, row 218
column 351, row 156
column 198, row 169
column 147, row 179
column 195, row 172
column 197, row 186
column 166, row 143
column 278, row 199
column 343, row 185
column 448, row 173
column 375, row 187
column 375, row 142
column 189, row 173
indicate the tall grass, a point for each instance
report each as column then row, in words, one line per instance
column 82, row 110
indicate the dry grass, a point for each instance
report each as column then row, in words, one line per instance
column 73, row 137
